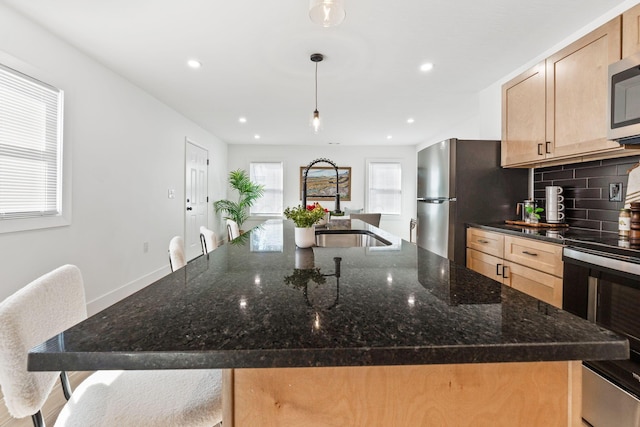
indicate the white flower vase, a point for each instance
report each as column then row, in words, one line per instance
column 304, row 259
column 305, row 237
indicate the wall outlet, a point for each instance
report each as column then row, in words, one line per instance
column 615, row 191
column 171, row 193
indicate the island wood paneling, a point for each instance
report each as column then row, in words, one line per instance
column 495, row 394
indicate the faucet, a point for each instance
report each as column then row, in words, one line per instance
column 304, row 182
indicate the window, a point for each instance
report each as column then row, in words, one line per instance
column 270, row 175
column 30, row 148
column 384, row 187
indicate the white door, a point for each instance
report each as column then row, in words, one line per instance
column 196, row 198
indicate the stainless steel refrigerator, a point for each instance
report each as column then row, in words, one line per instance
column 461, row 182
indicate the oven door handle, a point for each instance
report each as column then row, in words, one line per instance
column 610, row 262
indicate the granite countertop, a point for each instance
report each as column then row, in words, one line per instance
column 246, row 306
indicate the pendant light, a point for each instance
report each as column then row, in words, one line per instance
column 315, row 118
column 327, row 13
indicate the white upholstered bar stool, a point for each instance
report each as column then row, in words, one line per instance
column 208, row 240
column 177, row 259
column 232, row 229
column 55, row 302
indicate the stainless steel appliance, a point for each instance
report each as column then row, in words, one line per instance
column 623, row 105
column 603, row 285
column 459, row 182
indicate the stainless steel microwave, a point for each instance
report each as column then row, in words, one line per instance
column 623, row 104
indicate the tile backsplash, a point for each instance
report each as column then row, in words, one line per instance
column 586, row 190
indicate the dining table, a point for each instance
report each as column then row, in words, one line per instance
column 377, row 331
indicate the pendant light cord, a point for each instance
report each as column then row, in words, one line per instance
column 316, row 86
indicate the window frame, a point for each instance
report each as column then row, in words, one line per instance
column 63, row 217
column 368, row 198
column 281, row 189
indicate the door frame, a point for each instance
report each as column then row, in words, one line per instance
column 188, row 141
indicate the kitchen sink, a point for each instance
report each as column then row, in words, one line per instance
column 349, row 239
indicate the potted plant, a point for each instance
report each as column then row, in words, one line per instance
column 248, row 193
column 533, row 214
column 304, row 217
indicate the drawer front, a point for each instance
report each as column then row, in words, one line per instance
column 532, row 282
column 487, row 265
column 485, row 241
column 538, row 255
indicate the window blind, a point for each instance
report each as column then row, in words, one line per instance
column 385, row 188
column 30, row 146
column 270, row 175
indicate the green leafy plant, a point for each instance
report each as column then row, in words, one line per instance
column 248, row 193
column 301, row 277
column 305, row 216
column 533, row 212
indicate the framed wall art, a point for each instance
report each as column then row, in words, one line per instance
column 321, row 183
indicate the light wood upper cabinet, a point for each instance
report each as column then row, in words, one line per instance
column 631, row 31
column 577, row 93
column 558, row 109
column 523, row 117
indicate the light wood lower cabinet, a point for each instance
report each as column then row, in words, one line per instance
column 529, row 265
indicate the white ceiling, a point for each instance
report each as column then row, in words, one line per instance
column 255, row 56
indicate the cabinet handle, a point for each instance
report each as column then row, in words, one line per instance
column 546, row 147
column 498, row 269
column 504, row 271
column 540, row 149
column 529, row 253
column 483, row 241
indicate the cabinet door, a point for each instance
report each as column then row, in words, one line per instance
column 485, row 241
column 532, row 282
column 631, row 31
column 542, row 256
column 523, row 117
column 487, row 265
column 577, row 93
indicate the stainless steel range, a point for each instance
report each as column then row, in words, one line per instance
column 602, row 284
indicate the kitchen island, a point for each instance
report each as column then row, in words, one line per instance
column 356, row 336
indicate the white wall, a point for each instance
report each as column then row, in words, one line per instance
column 126, row 150
column 240, row 156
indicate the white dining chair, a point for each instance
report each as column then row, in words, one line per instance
column 177, row 259
column 52, row 304
column 208, row 240
column 232, row 229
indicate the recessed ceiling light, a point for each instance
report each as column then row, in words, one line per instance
column 194, row 63
column 256, row 136
column 242, row 120
column 427, row 66
column 389, row 136
column 410, row 120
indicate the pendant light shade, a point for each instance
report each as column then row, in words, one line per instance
column 327, row 13
column 315, row 118
column 315, row 121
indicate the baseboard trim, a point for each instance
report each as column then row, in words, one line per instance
column 124, row 291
